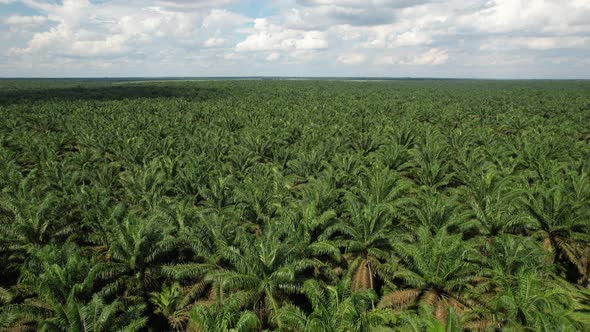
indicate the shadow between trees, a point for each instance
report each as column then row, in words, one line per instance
column 106, row 93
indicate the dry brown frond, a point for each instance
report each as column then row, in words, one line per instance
column 178, row 319
column 205, row 302
column 196, row 289
column 149, row 279
column 362, row 278
column 400, row 298
column 480, row 279
column 441, row 310
column 457, row 306
column 478, row 325
column 348, row 258
column 213, row 294
column 257, row 230
column 586, row 263
column 547, row 244
column 21, row 326
column 431, row 297
column 573, row 255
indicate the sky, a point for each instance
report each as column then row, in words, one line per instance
column 335, row 38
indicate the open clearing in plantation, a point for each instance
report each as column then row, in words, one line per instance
column 294, row 205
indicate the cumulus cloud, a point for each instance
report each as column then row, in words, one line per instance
column 63, row 40
column 25, row 21
column 541, row 16
column 351, row 59
column 221, row 18
column 273, row 56
column 434, row 56
column 233, row 56
column 85, row 29
column 364, row 3
column 391, row 39
column 535, row 43
column 298, row 36
column 323, row 17
column 267, row 36
column 192, row 4
column 214, row 42
column 431, row 57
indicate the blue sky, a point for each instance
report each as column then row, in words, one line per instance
column 381, row 38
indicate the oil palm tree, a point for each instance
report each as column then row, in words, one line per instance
column 490, row 199
column 261, row 272
column 61, row 281
column 365, row 234
column 168, row 303
column 216, row 236
column 381, row 186
column 436, row 212
column 394, row 156
column 260, row 200
column 307, row 227
column 333, row 308
column 222, row 318
column 218, row 193
column 131, row 265
column 560, row 222
column 425, row 321
column 431, row 169
column 510, row 255
column 434, row 270
column 28, row 222
column 530, row 302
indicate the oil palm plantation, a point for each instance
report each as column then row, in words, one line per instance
column 290, row 205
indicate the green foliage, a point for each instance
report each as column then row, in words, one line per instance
column 411, row 205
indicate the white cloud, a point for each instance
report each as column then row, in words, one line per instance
column 301, row 56
column 386, row 37
column 221, row 18
column 323, row 17
column 86, row 29
column 273, row 56
column 301, row 36
column 267, row 36
column 25, row 21
column 362, row 3
column 434, row 56
column 233, row 56
column 539, row 16
column 193, row 4
column 63, row 40
column 214, row 42
column 411, row 38
column 546, row 43
column 387, row 60
column 534, row 43
column 431, row 57
column 351, row 59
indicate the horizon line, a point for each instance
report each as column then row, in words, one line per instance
column 269, row 77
